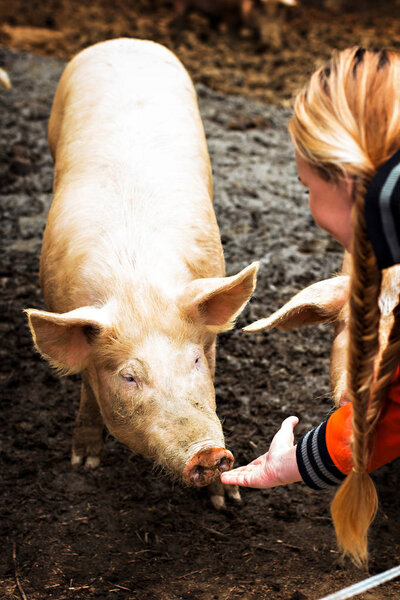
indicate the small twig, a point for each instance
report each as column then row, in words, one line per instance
column 21, row 591
column 214, row 531
column 191, row 573
column 121, row 587
column 291, row 546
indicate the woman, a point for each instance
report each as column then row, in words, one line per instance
column 346, row 132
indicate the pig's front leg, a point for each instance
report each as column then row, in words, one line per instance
column 217, row 491
column 88, row 441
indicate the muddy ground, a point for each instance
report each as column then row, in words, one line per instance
column 123, row 531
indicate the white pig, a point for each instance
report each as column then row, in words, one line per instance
column 132, row 267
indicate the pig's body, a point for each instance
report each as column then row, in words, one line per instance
column 132, row 267
column 131, row 166
column 328, row 301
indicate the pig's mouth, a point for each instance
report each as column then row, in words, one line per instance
column 206, row 465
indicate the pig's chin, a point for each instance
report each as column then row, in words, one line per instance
column 206, row 465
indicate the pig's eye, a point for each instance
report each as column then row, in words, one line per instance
column 197, row 361
column 128, row 377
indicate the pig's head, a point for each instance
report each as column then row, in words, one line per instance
column 324, row 301
column 149, row 360
column 327, row 301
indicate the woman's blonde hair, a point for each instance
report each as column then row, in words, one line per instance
column 346, row 123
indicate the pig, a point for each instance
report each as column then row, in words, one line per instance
column 328, row 301
column 235, row 13
column 132, row 268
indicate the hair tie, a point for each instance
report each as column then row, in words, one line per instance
column 382, row 212
column 359, row 471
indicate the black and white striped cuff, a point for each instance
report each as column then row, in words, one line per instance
column 382, row 212
column 314, row 462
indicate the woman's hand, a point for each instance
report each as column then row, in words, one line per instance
column 277, row 467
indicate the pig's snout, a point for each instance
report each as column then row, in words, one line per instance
column 206, row 465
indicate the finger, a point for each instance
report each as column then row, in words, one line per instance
column 239, row 470
column 244, row 473
column 243, row 478
column 285, row 433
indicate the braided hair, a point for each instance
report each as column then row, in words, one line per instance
column 346, row 123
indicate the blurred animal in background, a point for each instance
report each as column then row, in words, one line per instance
column 5, row 79
column 263, row 18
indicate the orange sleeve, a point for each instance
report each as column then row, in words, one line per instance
column 387, row 437
column 338, row 437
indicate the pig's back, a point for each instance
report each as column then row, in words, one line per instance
column 133, row 182
column 133, row 95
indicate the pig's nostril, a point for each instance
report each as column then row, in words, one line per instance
column 198, row 472
column 224, row 464
column 198, row 475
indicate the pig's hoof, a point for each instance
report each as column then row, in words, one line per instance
column 87, row 446
column 217, row 492
column 233, row 493
column 76, row 459
column 90, row 462
column 217, row 496
column 218, row 501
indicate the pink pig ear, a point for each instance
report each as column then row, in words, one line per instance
column 317, row 303
column 65, row 340
column 218, row 301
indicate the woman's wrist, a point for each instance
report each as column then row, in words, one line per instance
column 288, row 471
column 314, row 462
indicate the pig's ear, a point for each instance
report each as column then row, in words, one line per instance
column 317, row 303
column 218, row 301
column 66, row 340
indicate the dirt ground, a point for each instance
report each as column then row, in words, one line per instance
column 123, row 531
